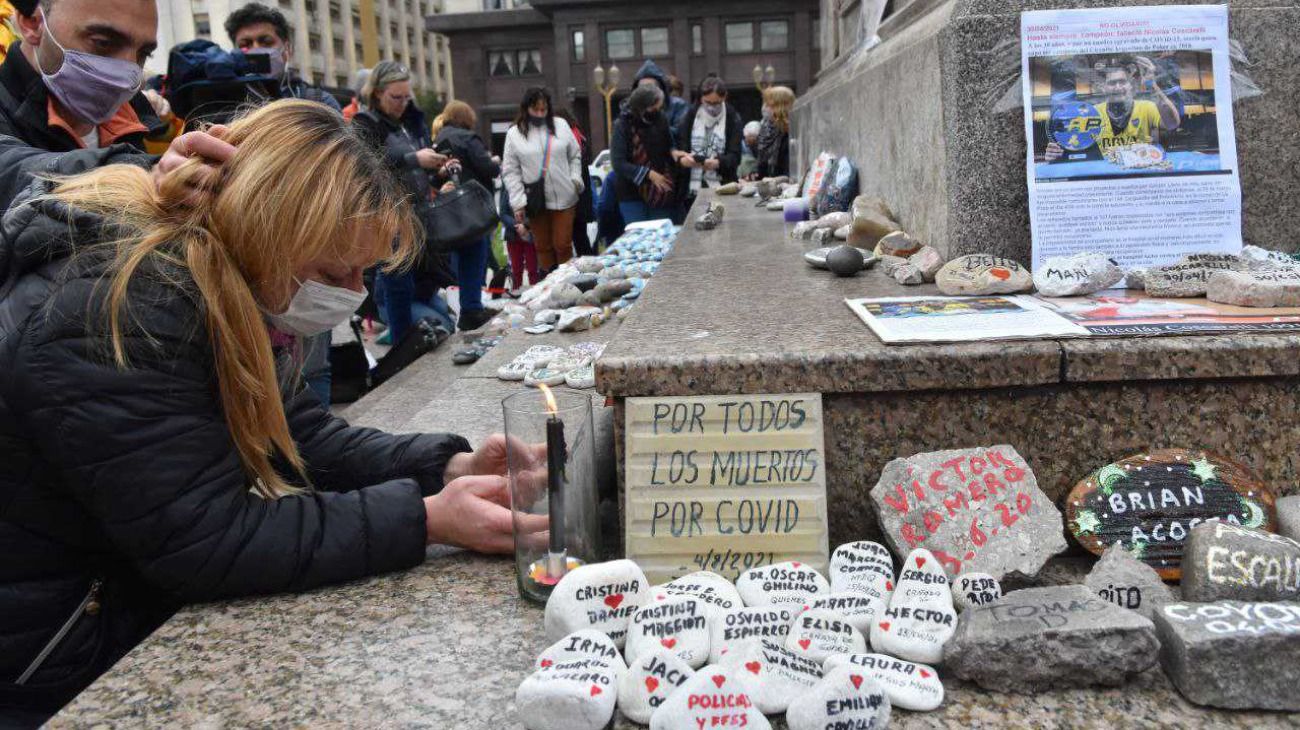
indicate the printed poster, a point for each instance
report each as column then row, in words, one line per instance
column 898, row 320
column 1130, row 143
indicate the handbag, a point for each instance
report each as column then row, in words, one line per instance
column 459, row 217
column 536, row 190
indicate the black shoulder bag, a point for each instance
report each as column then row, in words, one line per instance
column 536, row 190
column 460, row 217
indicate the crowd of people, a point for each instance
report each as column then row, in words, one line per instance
column 165, row 318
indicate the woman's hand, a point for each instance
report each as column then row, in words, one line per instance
column 660, row 181
column 712, row 164
column 521, row 230
column 687, row 162
column 474, row 512
column 490, row 458
column 430, row 160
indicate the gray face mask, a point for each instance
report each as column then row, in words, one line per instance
column 276, row 56
column 317, row 308
column 92, row 87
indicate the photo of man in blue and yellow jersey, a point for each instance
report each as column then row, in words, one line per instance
column 1124, row 119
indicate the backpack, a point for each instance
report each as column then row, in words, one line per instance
column 209, row 84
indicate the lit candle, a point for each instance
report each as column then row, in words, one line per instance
column 556, row 457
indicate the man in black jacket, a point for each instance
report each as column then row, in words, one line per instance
column 40, row 134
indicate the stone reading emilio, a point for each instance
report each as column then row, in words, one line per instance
column 1149, row 502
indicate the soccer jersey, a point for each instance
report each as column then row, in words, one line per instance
column 1144, row 119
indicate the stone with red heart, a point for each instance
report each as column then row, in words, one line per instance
column 860, row 609
column 748, row 625
column 772, row 674
column 712, row 698
column 909, row 685
column 860, row 566
column 843, row 698
column 780, row 584
column 980, row 274
column 678, row 622
column 570, row 694
column 915, row 630
column 717, row 593
column 601, row 596
column 818, row 633
column 650, row 680
column 580, row 644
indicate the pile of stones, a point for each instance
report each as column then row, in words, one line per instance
column 551, row 365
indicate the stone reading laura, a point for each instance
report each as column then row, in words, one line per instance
column 1148, row 503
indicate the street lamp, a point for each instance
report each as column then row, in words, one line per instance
column 764, row 77
column 607, row 90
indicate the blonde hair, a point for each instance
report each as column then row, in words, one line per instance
column 780, row 99
column 436, row 126
column 300, row 186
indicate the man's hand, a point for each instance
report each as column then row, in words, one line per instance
column 687, row 162
column 660, row 181
column 1053, row 152
column 208, row 147
column 1146, row 71
column 522, row 230
column 474, row 512
column 430, row 160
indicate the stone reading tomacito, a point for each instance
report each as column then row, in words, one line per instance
column 844, row 699
column 909, row 685
column 1050, row 638
column 649, row 682
column 1233, row 654
column 1127, row 582
column 977, row 510
column 710, row 699
column 600, row 596
column 1223, row 561
column 1149, row 502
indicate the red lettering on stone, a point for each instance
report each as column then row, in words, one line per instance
column 936, row 484
column 920, row 493
column 955, row 465
column 991, row 481
column 976, row 491
column 977, row 460
column 932, row 522
column 899, row 500
column 909, row 534
column 955, row 502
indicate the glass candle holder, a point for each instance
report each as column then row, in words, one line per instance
column 550, row 458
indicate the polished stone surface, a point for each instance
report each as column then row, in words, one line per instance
column 444, row 645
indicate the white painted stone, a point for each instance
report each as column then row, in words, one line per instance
column 578, row 694
column 648, row 683
column 859, row 609
column 858, row 564
column 676, row 623
column 1077, row 275
column 583, row 376
column 579, row 645
column 731, row 630
column 544, row 375
column 920, row 618
column 772, row 675
column 845, row 699
column 515, row 370
column 780, row 583
column 909, row 685
column 710, row 699
column 718, row 594
column 818, row 633
column 979, row 274
column 599, row 596
column 921, row 580
column 975, row 589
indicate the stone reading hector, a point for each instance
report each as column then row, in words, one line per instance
column 1149, row 502
column 920, row 618
column 976, row 510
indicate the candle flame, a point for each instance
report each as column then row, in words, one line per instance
column 551, row 406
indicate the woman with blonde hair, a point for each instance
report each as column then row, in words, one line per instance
column 151, row 450
column 774, row 134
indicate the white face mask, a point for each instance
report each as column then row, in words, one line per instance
column 316, row 308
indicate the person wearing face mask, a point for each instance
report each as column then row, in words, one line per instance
column 154, row 451
column 541, row 150
column 644, row 158
column 774, row 134
column 258, row 29
column 711, row 134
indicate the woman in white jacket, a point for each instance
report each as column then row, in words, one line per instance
column 538, row 138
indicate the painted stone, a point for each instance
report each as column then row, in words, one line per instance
column 545, row 376
column 1261, row 289
column 1261, row 258
column 979, row 274
column 1038, row 639
column 772, row 675
column 1149, row 503
column 928, row 261
column 546, row 316
column 977, row 510
column 1127, row 582
column 859, row 609
column 920, row 617
column 709, row 699
column 718, row 594
column 1233, row 654
column 844, row 698
column 748, row 190
column 676, row 623
column 818, row 633
column 909, row 685
column 578, row 319
column 842, row 233
column 588, row 264
column 541, row 355
column 612, row 289
column 822, row 236
column 564, row 296
column 649, row 681
column 898, row 244
column 600, row 596
column 583, row 376
column 576, row 694
column 711, row 217
column 788, row 582
column 1077, row 275
column 539, row 329
column 515, row 370
column 1224, row 561
column 1190, row 276
column 845, row 261
column 733, row 629
column 1288, row 516
column 728, row 189
column 583, row 644
column 974, row 589
column 858, row 566
column 583, row 282
column 921, row 581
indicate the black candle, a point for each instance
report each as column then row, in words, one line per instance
column 556, row 456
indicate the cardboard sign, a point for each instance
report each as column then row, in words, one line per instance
column 724, row 483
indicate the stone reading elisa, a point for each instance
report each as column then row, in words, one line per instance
column 1148, row 503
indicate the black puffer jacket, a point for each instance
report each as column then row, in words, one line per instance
column 468, row 147
column 124, row 486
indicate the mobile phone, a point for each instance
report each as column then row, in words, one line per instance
column 699, row 158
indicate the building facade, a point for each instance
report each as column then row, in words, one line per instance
column 332, row 39
column 497, row 54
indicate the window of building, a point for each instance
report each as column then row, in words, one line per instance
column 310, row 5
column 774, row 35
column 338, row 46
column 525, row 62
column 501, row 63
column 335, row 11
column 620, row 44
column 697, row 39
column 579, row 46
column 313, row 42
column 740, row 37
column 202, row 25
column 654, row 41
column 530, row 62
column 817, row 34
